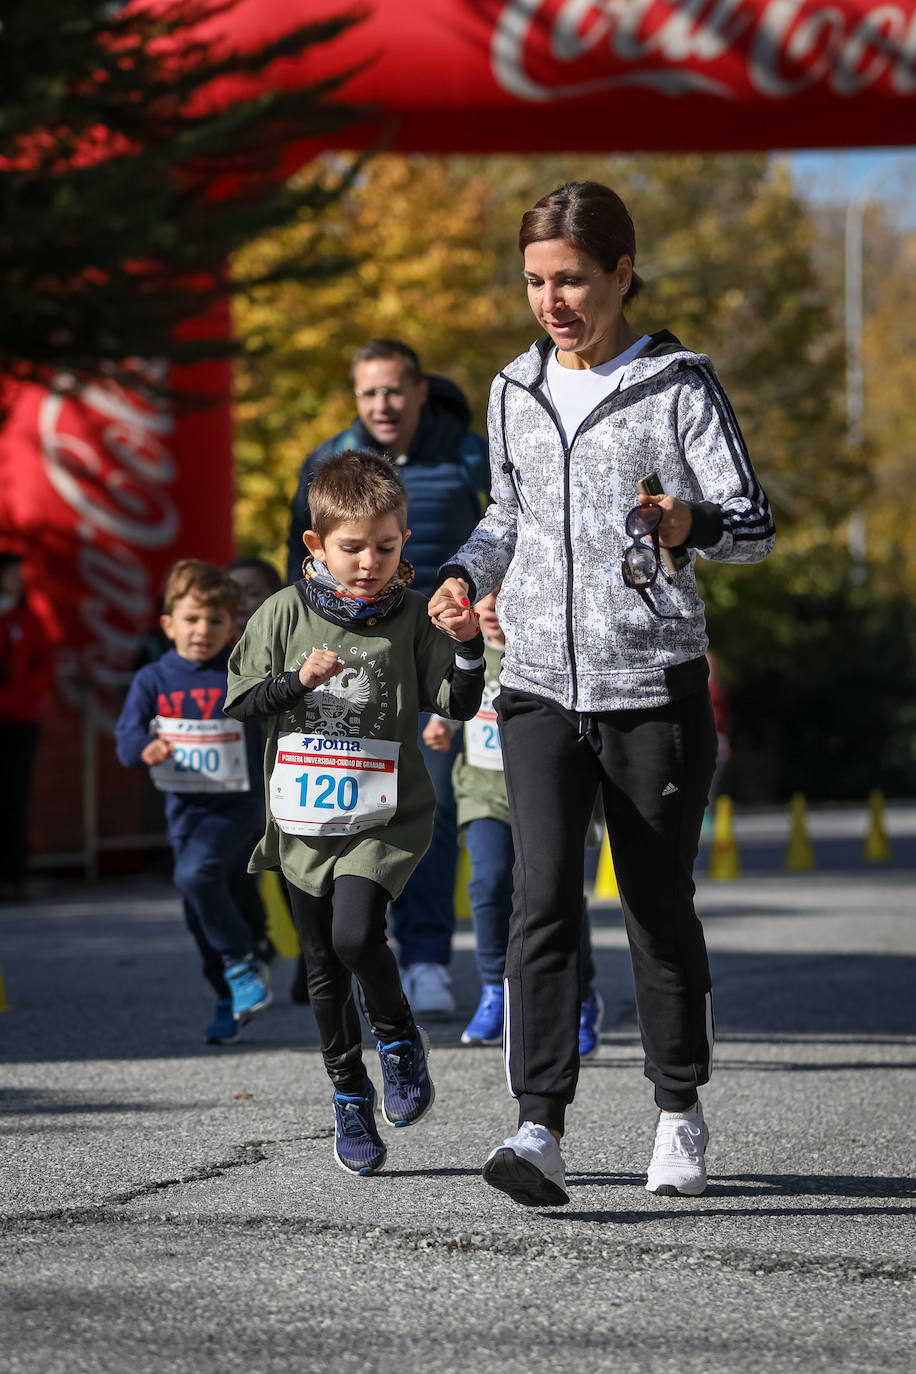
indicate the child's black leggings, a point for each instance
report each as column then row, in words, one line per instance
column 342, row 934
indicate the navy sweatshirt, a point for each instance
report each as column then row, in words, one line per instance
column 176, row 686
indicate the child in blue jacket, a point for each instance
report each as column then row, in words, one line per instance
column 210, row 770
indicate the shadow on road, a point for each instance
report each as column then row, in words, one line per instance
column 124, row 985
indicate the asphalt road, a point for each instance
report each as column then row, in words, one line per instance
column 172, row 1207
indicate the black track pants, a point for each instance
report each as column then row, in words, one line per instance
column 654, row 768
column 342, row 934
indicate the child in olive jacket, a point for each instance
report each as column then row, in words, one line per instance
column 340, row 666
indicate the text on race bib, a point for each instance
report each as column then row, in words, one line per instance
column 323, row 786
column 207, row 756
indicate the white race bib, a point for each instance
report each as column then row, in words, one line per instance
column 207, row 756
column 482, row 745
column 322, row 786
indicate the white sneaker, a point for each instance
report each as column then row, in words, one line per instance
column 678, row 1163
column 428, row 990
column 529, row 1168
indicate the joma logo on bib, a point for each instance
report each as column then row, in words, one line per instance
column 315, row 742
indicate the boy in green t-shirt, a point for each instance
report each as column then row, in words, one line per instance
column 483, row 813
column 340, row 666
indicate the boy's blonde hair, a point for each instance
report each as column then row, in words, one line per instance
column 193, row 577
column 355, row 486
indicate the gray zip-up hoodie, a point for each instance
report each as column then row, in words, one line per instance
column 554, row 537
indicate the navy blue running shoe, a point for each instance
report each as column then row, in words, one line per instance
column 409, row 1092
column 224, row 1025
column 358, row 1147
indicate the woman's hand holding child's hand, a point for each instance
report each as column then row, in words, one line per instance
column 157, row 751
column 451, row 611
column 436, row 735
column 320, row 666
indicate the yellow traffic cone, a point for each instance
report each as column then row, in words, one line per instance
column 4, row 1004
column 280, row 927
column 877, row 845
column 799, row 851
column 462, row 878
column 724, row 859
column 606, row 889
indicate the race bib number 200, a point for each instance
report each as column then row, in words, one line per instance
column 207, row 756
column 323, row 786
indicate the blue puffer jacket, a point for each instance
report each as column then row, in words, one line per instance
column 445, row 473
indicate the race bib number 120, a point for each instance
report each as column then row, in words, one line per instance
column 322, row 786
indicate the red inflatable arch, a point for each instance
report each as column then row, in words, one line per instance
column 489, row 76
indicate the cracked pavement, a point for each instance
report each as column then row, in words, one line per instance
column 168, row 1206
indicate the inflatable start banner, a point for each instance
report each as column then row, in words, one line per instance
column 102, row 490
column 472, row 76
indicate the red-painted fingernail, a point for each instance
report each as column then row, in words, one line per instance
column 464, row 601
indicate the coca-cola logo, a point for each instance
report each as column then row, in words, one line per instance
column 731, row 49
column 104, row 454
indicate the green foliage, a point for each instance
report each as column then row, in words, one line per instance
column 822, row 678
column 125, row 184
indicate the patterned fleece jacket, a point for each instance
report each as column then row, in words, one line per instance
column 554, row 537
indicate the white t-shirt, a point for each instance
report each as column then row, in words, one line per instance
column 575, row 392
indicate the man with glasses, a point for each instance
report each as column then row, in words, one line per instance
column 422, row 423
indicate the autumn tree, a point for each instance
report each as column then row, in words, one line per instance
column 722, row 242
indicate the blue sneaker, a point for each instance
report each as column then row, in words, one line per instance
column 590, row 1018
column 224, row 1025
column 249, row 986
column 358, row 1147
column 409, row 1092
column 486, row 1025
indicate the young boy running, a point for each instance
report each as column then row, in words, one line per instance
column 341, row 664
column 209, row 769
column 483, row 813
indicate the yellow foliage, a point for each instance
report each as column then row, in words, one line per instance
column 722, row 244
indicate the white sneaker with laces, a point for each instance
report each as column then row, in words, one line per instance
column 529, row 1168
column 678, row 1160
column 428, row 990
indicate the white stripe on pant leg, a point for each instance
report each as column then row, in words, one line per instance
column 710, row 1032
column 506, row 1036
